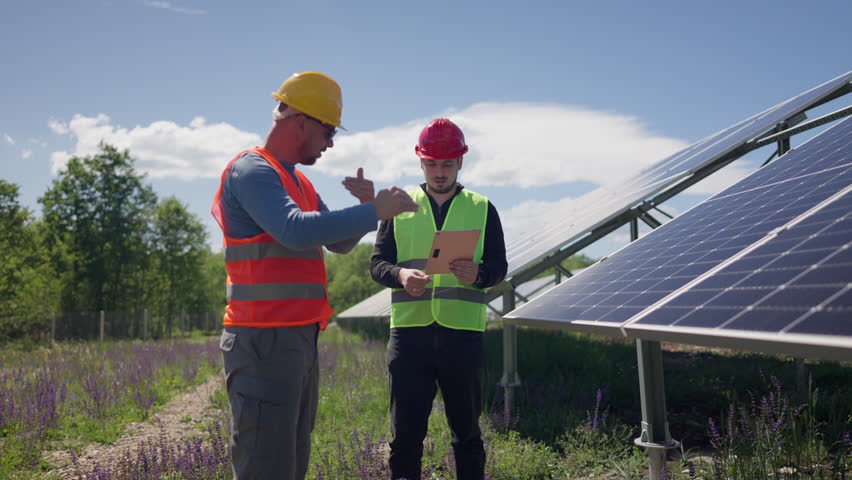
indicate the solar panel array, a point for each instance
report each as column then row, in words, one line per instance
column 541, row 236
column 768, row 261
column 577, row 218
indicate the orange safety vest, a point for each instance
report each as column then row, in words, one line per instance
column 270, row 285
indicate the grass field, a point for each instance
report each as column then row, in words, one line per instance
column 738, row 416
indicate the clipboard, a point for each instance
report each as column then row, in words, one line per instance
column 449, row 245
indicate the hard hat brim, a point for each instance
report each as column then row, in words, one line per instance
column 420, row 153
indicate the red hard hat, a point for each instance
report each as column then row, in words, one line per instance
column 440, row 140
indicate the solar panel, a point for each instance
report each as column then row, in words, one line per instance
column 606, row 295
column 577, row 218
column 526, row 291
column 376, row 306
column 793, row 289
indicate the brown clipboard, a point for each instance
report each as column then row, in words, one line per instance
column 449, row 245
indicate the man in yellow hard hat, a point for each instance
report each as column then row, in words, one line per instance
column 438, row 320
column 275, row 225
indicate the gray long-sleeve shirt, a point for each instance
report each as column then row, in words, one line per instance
column 254, row 201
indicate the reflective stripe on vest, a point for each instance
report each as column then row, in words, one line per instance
column 274, row 291
column 270, row 285
column 446, row 293
column 258, row 251
column 446, row 301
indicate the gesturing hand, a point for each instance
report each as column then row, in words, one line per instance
column 360, row 187
column 414, row 281
column 464, row 270
column 392, row 201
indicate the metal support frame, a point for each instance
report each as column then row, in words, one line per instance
column 655, row 435
column 783, row 143
column 649, row 220
column 560, row 270
column 664, row 213
column 769, row 159
column 510, row 379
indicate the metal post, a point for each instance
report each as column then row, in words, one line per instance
column 102, row 325
column 655, row 435
column 634, row 229
column 510, row 378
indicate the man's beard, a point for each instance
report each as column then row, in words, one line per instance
column 447, row 189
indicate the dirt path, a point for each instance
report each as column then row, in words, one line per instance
column 177, row 419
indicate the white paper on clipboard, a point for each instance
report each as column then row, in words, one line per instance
column 449, row 245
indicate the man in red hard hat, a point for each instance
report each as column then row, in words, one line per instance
column 437, row 321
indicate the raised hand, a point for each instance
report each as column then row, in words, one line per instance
column 392, row 201
column 360, row 187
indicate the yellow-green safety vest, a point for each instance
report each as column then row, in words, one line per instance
column 446, row 301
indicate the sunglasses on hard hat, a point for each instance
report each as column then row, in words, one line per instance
column 330, row 130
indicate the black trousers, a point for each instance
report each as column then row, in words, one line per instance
column 421, row 360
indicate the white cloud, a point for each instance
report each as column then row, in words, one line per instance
column 26, row 153
column 169, row 6
column 9, row 140
column 58, row 126
column 518, row 144
column 163, row 148
column 514, row 144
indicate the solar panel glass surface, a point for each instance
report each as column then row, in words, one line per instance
column 611, row 292
column 796, row 281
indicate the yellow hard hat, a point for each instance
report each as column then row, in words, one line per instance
column 313, row 93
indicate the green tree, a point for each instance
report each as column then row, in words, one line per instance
column 98, row 207
column 13, row 240
column 214, row 281
column 28, row 285
column 349, row 279
column 178, row 253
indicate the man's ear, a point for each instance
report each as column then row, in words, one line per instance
column 460, row 161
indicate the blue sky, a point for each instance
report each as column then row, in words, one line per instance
column 556, row 98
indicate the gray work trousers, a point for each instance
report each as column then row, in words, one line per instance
column 273, row 386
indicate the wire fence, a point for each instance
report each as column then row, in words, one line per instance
column 142, row 324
